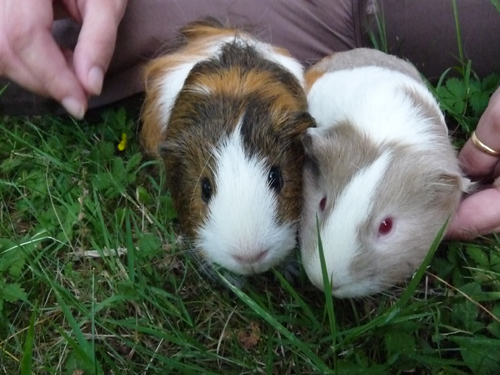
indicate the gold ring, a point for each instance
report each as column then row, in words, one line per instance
column 480, row 145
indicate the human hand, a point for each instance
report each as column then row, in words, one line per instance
column 479, row 213
column 30, row 56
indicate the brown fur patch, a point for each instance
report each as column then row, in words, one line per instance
column 200, row 37
column 311, row 77
column 336, row 169
column 282, row 51
column 206, row 29
column 237, row 83
column 361, row 57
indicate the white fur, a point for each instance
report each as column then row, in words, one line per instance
column 242, row 219
column 287, row 62
column 351, row 209
column 387, row 115
column 172, row 82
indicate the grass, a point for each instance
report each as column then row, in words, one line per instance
column 95, row 280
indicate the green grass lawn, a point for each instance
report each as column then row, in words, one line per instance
column 95, row 280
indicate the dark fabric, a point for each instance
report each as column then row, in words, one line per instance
column 421, row 30
column 309, row 29
column 424, row 32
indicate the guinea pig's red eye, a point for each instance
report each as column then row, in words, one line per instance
column 385, row 226
column 322, row 204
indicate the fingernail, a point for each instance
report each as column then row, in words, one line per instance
column 73, row 107
column 95, row 78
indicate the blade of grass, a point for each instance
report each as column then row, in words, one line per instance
column 391, row 315
column 130, row 249
column 3, row 89
column 496, row 4
column 308, row 354
column 27, row 361
column 83, row 348
column 48, row 158
column 92, row 320
column 459, row 34
column 379, row 40
column 82, row 342
column 442, row 78
column 80, row 352
column 97, row 210
column 327, row 287
column 305, row 307
column 410, row 289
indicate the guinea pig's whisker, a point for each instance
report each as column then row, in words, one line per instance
column 370, row 298
column 391, row 291
column 200, row 261
column 205, row 269
column 183, row 251
column 356, row 166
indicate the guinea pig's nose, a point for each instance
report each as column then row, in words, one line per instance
column 251, row 258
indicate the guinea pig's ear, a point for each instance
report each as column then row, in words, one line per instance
column 299, row 124
column 446, row 183
column 450, row 179
column 309, row 140
column 167, row 148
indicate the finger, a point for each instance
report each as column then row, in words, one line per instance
column 474, row 161
column 49, row 73
column 96, row 42
column 31, row 57
column 18, row 72
column 478, row 214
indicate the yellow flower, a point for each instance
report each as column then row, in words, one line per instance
column 123, row 143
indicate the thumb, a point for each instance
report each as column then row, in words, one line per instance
column 96, row 42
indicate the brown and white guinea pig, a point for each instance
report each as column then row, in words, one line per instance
column 227, row 114
column 380, row 177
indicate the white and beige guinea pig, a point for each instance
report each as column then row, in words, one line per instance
column 380, row 173
column 227, row 114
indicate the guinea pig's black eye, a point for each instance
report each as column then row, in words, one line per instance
column 206, row 189
column 274, row 179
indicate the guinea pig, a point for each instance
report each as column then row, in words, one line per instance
column 226, row 113
column 381, row 177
